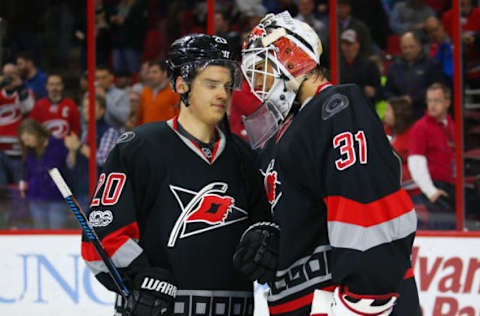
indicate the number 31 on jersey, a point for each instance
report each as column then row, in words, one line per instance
column 348, row 156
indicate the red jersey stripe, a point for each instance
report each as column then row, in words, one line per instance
column 112, row 242
column 344, row 210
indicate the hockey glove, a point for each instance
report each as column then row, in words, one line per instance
column 256, row 255
column 340, row 304
column 152, row 295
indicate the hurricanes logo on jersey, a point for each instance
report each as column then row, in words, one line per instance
column 270, row 180
column 204, row 210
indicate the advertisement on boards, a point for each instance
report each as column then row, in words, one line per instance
column 45, row 274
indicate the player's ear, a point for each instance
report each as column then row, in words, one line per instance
column 181, row 85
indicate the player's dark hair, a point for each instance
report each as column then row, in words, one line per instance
column 35, row 128
column 403, row 112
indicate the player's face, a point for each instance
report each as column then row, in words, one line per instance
column 54, row 86
column 437, row 104
column 263, row 73
column 29, row 139
column 211, row 94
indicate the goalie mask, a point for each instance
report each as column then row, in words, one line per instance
column 192, row 53
column 276, row 56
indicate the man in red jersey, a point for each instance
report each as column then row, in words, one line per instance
column 60, row 115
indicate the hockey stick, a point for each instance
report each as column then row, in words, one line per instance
column 89, row 232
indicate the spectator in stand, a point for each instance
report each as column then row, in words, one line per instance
column 431, row 159
column 412, row 72
column 380, row 104
column 372, row 13
column 33, row 77
column 79, row 149
column 102, row 32
column 440, row 46
column 16, row 101
column 470, row 24
column 409, row 15
column 306, row 9
column 41, row 152
column 469, row 18
column 118, row 107
column 347, row 21
column 398, row 122
column 358, row 69
column 157, row 102
column 224, row 29
column 58, row 114
column 142, row 78
column 128, row 29
column 123, row 80
column 134, row 98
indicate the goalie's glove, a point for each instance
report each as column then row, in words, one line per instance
column 256, row 255
column 339, row 303
column 153, row 294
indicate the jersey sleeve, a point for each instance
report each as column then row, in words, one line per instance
column 371, row 220
column 113, row 214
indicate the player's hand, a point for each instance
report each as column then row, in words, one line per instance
column 256, row 255
column 153, row 294
column 437, row 195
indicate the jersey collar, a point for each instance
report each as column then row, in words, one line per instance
column 217, row 149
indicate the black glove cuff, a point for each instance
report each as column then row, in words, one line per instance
column 268, row 226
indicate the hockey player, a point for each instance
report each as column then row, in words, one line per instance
column 333, row 182
column 176, row 197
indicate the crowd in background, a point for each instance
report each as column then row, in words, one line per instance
column 399, row 52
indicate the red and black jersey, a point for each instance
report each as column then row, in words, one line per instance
column 163, row 202
column 12, row 112
column 333, row 182
column 60, row 118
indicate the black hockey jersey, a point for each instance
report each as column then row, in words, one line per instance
column 333, row 182
column 162, row 202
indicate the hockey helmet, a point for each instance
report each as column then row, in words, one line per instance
column 276, row 57
column 194, row 52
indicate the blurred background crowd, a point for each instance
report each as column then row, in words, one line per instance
column 399, row 51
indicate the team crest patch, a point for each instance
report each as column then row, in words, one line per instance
column 334, row 104
column 270, row 181
column 207, row 209
column 126, row 137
